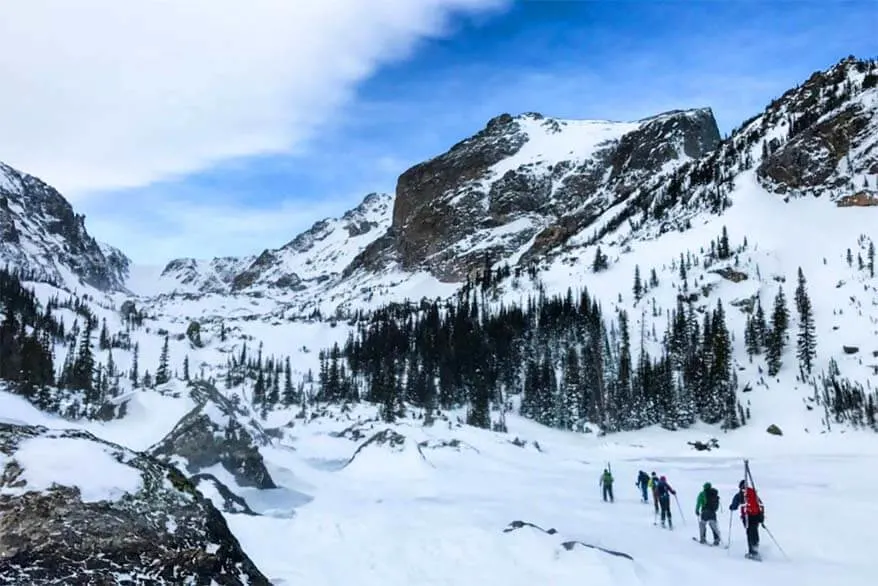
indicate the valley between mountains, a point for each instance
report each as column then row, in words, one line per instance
column 378, row 399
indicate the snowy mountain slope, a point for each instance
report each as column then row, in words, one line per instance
column 446, row 504
column 41, row 234
column 498, row 191
column 318, row 254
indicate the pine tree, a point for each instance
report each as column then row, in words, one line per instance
column 638, row 285
column 135, row 374
column 84, row 365
column 186, row 367
column 723, row 249
column 571, row 396
column 653, row 279
column 289, row 394
column 871, row 257
column 776, row 338
column 807, row 341
column 600, row 262
column 162, row 374
column 850, row 258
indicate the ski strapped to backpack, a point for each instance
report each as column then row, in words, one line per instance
column 749, row 483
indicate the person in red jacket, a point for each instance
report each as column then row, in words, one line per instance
column 752, row 515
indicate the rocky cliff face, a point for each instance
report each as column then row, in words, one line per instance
column 41, row 234
column 829, row 133
column 127, row 519
column 523, row 182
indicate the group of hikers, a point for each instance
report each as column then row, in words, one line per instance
column 706, row 506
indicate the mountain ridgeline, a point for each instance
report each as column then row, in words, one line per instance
column 595, row 275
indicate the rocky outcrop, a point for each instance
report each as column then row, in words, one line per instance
column 41, row 234
column 831, row 126
column 116, row 517
column 217, row 431
column 523, row 179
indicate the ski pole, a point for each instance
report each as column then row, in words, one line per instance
column 775, row 542
column 729, row 543
column 680, row 509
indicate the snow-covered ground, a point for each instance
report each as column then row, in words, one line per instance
column 434, row 514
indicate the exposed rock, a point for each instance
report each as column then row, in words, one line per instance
column 213, row 433
column 128, row 311
column 567, row 545
column 452, row 202
column 829, row 121
column 387, row 437
column 850, row 349
column 41, row 234
column 454, row 444
column 193, row 332
column 731, row 274
column 774, row 430
column 700, row 446
column 220, row 494
column 859, row 199
column 160, row 532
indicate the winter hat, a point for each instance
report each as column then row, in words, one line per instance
column 741, row 484
column 662, row 479
column 707, row 486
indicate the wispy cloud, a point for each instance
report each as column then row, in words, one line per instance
column 102, row 94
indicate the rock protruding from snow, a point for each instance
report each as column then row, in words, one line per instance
column 216, row 431
column 220, row 495
column 41, row 235
column 568, row 545
column 78, row 510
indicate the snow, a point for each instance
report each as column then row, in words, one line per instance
column 574, row 140
column 399, row 519
column 74, row 462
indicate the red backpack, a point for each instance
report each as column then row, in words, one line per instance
column 752, row 505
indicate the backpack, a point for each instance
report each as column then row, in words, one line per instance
column 711, row 500
column 752, row 506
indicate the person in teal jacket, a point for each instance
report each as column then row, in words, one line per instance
column 607, row 484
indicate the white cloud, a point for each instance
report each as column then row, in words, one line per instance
column 103, row 94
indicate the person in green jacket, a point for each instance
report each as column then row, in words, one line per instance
column 705, row 509
column 607, row 483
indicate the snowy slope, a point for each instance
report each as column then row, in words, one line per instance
column 41, row 234
column 319, row 253
column 432, row 509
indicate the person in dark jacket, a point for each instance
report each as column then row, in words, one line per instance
column 643, row 484
column 664, row 492
column 752, row 515
column 705, row 509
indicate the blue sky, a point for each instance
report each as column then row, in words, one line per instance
column 572, row 59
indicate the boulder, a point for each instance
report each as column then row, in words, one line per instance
column 213, row 433
column 77, row 510
column 774, row 430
